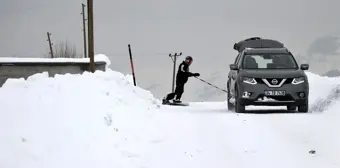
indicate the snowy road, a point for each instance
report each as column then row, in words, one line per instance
column 213, row 137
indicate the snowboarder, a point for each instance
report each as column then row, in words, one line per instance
column 181, row 78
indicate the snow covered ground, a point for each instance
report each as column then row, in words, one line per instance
column 101, row 120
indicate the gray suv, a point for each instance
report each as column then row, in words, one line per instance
column 266, row 73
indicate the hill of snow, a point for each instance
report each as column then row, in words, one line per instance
column 88, row 120
column 102, row 120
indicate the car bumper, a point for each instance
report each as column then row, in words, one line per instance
column 255, row 94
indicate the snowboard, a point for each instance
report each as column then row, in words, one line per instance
column 176, row 104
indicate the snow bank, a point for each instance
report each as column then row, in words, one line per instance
column 324, row 91
column 89, row 120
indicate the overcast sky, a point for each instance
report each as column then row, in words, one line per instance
column 206, row 30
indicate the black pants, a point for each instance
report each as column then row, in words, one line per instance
column 178, row 91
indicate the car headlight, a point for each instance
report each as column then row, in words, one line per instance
column 251, row 81
column 298, row 80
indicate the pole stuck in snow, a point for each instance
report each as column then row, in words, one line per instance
column 90, row 33
column 174, row 68
column 132, row 68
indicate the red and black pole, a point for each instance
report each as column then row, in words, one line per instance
column 132, row 68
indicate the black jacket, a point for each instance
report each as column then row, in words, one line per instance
column 183, row 73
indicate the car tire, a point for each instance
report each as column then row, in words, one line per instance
column 239, row 107
column 291, row 108
column 303, row 108
column 231, row 106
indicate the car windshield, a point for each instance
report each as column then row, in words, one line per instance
column 269, row 61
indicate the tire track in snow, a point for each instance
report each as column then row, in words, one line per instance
column 295, row 133
column 309, row 132
column 284, row 147
column 199, row 133
column 253, row 140
column 260, row 146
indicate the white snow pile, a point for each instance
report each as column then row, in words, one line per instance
column 89, row 120
column 324, row 92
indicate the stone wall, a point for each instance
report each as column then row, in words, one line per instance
column 26, row 69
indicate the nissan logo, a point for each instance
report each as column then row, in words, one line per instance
column 274, row 81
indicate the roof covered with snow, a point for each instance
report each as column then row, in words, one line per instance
column 98, row 58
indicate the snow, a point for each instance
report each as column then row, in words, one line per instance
column 102, row 120
column 266, row 99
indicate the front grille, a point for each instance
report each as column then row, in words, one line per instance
column 288, row 81
column 278, row 80
column 259, row 80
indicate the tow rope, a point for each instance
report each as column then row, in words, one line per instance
column 211, row 84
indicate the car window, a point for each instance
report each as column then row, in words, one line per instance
column 269, row 61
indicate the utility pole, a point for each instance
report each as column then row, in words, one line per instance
column 50, row 44
column 90, row 33
column 174, row 69
column 84, row 30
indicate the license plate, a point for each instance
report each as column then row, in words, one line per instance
column 275, row 93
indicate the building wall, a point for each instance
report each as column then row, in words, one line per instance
column 24, row 70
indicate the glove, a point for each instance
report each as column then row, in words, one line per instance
column 196, row 74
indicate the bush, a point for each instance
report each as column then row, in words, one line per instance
column 64, row 50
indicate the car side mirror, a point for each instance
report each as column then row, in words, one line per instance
column 233, row 67
column 304, row 66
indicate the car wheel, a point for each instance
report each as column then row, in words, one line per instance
column 239, row 107
column 291, row 108
column 303, row 108
column 231, row 106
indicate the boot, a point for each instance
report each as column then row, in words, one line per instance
column 177, row 101
column 164, row 101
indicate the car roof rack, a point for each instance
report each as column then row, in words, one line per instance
column 257, row 42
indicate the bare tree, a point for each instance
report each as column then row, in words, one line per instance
column 65, row 50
